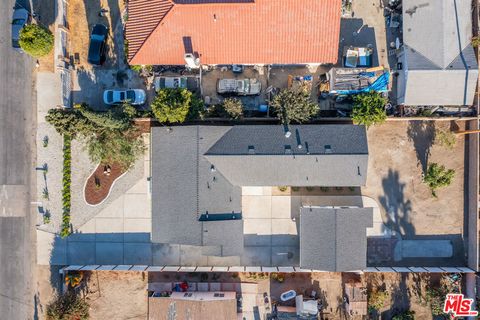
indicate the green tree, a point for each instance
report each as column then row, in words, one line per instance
column 109, row 120
column 69, row 121
column 36, row 40
column 68, row 307
column 294, row 105
column 369, row 109
column 233, row 107
column 123, row 148
column 437, row 176
column 172, row 105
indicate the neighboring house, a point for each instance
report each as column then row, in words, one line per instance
column 198, row 173
column 193, row 305
column 438, row 64
column 161, row 32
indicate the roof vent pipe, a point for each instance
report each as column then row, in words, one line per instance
column 288, row 134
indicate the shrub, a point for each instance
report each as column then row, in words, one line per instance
column 475, row 42
column 407, row 315
column 129, row 110
column 445, row 138
column 233, row 107
column 283, row 188
column 279, row 277
column 369, row 109
column 36, row 40
column 437, row 176
column 172, row 105
column 436, row 298
column 68, row 307
column 310, row 189
column 136, row 68
column 66, row 190
column 294, row 105
column 295, row 188
column 377, row 299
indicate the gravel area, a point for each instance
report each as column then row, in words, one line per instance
column 82, row 168
column 52, row 157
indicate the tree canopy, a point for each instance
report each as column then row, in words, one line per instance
column 36, row 40
column 294, row 105
column 110, row 135
column 369, row 108
column 437, row 176
column 174, row 105
column 233, row 107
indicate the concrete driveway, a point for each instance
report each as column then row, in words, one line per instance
column 271, row 224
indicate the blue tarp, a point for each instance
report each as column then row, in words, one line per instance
column 380, row 85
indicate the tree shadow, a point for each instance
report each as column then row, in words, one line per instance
column 422, row 134
column 401, row 298
column 397, row 208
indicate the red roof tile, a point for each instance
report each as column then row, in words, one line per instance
column 262, row 32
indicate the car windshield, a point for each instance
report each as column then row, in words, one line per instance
column 131, row 95
column 109, row 96
column 18, row 22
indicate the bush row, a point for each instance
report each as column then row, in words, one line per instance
column 67, row 177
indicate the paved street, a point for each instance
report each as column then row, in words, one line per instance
column 17, row 118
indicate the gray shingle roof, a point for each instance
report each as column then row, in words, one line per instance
column 439, row 56
column 334, row 239
column 184, row 186
column 330, row 155
column 196, row 169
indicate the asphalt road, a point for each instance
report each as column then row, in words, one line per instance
column 17, row 118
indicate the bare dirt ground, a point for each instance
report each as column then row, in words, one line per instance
column 405, row 292
column 117, row 295
column 48, row 285
column 399, row 153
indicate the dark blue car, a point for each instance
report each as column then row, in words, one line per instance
column 97, row 48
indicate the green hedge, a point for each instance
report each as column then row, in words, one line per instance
column 67, row 178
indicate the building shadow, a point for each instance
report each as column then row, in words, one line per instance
column 422, row 134
column 353, row 32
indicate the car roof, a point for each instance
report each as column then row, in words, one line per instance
column 99, row 29
column 20, row 13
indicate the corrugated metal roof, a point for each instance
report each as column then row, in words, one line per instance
column 262, row 32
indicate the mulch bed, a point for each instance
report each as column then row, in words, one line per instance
column 143, row 125
column 98, row 184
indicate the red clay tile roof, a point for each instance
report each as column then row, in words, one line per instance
column 160, row 32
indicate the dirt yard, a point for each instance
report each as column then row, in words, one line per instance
column 405, row 292
column 117, row 295
column 399, row 153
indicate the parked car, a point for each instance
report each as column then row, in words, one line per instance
column 132, row 96
column 97, row 47
column 170, row 82
column 19, row 19
column 242, row 87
